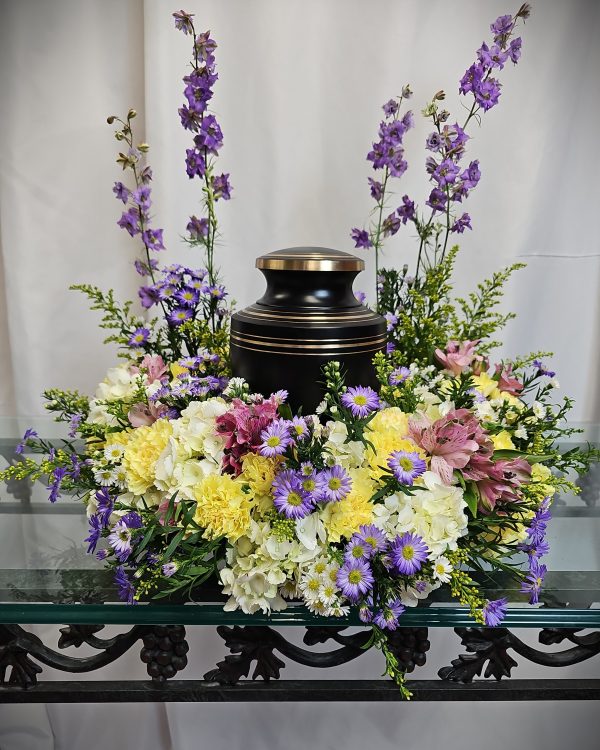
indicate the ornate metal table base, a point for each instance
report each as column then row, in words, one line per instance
column 164, row 651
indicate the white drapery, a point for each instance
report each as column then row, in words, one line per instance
column 299, row 97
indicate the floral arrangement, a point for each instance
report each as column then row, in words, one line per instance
column 377, row 499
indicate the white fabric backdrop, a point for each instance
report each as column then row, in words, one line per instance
column 299, row 100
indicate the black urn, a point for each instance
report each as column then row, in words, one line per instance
column 307, row 317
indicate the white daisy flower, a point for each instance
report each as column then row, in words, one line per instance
column 114, row 452
column 104, row 477
column 442, row 569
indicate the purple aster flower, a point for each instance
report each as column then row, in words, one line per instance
column 198, row 228
column 179, row 315
column 120, row 540
column 275, row 439
column 221, row 187
column 536, row 549
column 148, row 296
column 357, row 549
column 129, row 221
column 354, row 579
column 188, row 297
column 125, row 586
column 408, row 552
column 138, row 337
column 387, row 618
column 361, row 400
column 307, row 469
column 333, row 484
column 29, row 433
column 153, row 239
column 434, row 142
column 487, row 93
column 74, row 423
column 390, row 347
column 169, row 569
column 364, row 613
column 514, row 49
column 298, row 428
column 532, row 584
column 361, row 238
column 376, row 189
column 102, row 554
column 105, row 505
column 406, row 211
column 390, row 108
column 373, row 536
column 121, row 192
column 399, row 375
column 406, row 466
column 94, row 535
column 494, row 612
column 58, row 475
column 461, row 224
column 132, row 520
column 542, row 370
column 437, row 200
column 289, row 497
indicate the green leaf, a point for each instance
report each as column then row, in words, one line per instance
column 145, row 541
column 174, row 544
column 530, row 457
column 471, row 497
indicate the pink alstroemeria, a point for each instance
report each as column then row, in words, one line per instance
column 449, row 441
column 458, row 356
column 154, row 366
column 506, row 382
column 504, row 477
column 141, row 414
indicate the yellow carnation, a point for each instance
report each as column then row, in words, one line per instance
column 391, row 418
column 143, row 448
column 258, row 472
column 343, row 518
column 503, row 441
column 223, row 508
column 484, row 384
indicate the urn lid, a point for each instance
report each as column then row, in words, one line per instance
column 309, row 259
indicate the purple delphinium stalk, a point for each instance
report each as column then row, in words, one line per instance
column 125, row 586
column 333, row 484
column 361, row 400
column 406, row 466
column 407, row 553
column 494, row 612
column 275, row 439
column 355, row 579
column 289, row 497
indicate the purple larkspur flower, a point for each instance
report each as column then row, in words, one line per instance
column 354, row 579
column 29, row 433
column 406, row 211
column 222, row 187
column 361, row 400
column 148, row 296
column 373, row 536
column 391, row 224
column 195, row 164
column 494, row 612
column 376, row 189
column 121, row 192
column 532, row 584
column 169, row 569
column 275, row 439
column 289, row 498
column 542, row 370
column 487, row 93
column 399, row 375
column 58, row 475
column 210, row 135
column 124, row 585
column 197, row 228
column 179, row 315
column 391, row 320
column 360, row 297
column 390, row 108
column 501, row 26
column 95, row 531
column 406, row 466
column 492, row 57
column 434, row 142
column 407, row 553
column 390, row 347
column 153, row 239
column 472, row 78
column 139, row 337
column 141, row 197
column 464, row 222
column 387, row 617
column 514, row 49
column 361, row 238
column 129, row 221
column 190, row 120
column 437, row 200
column 74, row 424
column 183, row 21
column 333, row 484
column 471, row 175
column 446, row 172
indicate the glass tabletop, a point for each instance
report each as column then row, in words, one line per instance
column 46, row 576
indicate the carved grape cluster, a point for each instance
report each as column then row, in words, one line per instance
column 164, row 651
column 410, row 646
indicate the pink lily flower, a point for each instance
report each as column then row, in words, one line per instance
column 457, row 357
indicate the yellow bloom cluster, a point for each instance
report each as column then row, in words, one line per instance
column 144, row 446
column 387, row 432
column 343, row 518
column 223, row 508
